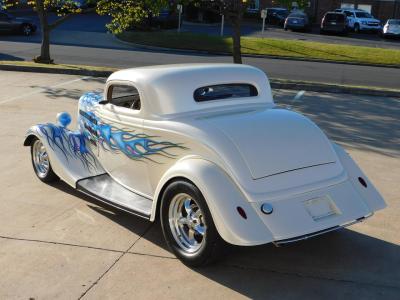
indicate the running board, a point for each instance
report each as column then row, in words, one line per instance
column 107, row 190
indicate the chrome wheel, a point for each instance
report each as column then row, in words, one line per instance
column 40, row 159
column 186, row 221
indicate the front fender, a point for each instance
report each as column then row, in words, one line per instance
column 69, row 154
column 223, row 197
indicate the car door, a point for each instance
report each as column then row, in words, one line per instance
column 351, row 18
column 121, row 137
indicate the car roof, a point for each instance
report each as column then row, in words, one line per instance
column 168, row 89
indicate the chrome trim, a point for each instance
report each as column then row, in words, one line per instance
column 310, row 235
column 186, row 223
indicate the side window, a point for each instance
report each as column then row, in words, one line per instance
column 124, row 95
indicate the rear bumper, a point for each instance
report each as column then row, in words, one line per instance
column 295, row 26
column 314, row 234
column 337, row 29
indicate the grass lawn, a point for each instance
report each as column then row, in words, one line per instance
column 266, row 46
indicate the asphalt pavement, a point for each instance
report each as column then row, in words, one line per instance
column 56, row 243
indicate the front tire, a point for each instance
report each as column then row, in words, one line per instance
column 187, row 225
column 356, row 28
column 41, row 162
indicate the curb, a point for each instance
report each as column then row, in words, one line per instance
column 56, row 70
column 206, row 52
column 274, row 82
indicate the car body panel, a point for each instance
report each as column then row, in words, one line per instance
column 240, row 152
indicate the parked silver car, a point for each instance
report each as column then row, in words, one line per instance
column 391, row 28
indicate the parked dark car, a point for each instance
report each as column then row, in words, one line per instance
column 391, row 28
column 297, row 21
column 11, row 24
column 276, row 16
column 167, row 19
column 334, row 22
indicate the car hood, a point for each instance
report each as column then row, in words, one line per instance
column 275, row 141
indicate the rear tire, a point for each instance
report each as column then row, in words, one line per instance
column 26, row 29
column 187, row 225
column 41, row 162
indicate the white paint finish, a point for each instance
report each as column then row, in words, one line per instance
column 289, row 139
column 228, row 144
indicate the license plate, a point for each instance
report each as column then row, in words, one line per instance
column 333, row 23
column 321, row 208
column 294, row 21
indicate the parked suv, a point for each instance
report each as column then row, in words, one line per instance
column 360, row 20
column 334, row 22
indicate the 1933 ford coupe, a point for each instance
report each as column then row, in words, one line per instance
column 203, row 148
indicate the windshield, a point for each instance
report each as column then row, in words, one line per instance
column 363, row 15
column 394, row 22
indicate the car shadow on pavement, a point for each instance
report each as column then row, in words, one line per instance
column 359, row 122
column 9, row 57
column 344, row 262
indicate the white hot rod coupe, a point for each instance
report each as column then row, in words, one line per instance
column 203, row 148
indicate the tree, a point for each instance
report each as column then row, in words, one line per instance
column 63, row 8
column 233, row 10
column 125, row 13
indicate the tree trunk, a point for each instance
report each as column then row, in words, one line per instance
column 45, row 47
column 237, row 52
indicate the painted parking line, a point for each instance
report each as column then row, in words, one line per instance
column 42, row 90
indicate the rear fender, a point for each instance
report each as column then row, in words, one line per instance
column 369, row 193
column 222, row 197
column 70, row 156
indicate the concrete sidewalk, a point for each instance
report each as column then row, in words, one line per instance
column 58, row 244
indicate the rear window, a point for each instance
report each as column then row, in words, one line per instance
column 334, row 17
column 224, row 91
column 297, row 16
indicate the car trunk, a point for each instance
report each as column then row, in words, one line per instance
column 275, row 141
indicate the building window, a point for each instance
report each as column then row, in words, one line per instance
column 365, row 7
column 347, row 5
column 254, row 4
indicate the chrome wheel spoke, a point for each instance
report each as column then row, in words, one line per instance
column 191, row 236
column 200, row 229
column 182, row 221
column 188, row 206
